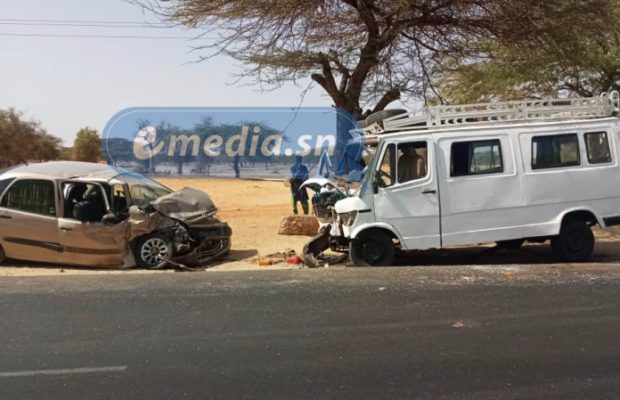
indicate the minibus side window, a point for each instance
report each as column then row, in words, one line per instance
column 552, row 151
column 412, row 161
column 476, row 157
column 386, row 171
column 597, row 147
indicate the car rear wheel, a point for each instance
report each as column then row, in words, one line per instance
column 2, row 255
column 575, row 241
column 153, row 251
column 373, row 248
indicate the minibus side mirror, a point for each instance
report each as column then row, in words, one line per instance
column 377, row 182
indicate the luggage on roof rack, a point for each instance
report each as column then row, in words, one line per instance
column 605, row 105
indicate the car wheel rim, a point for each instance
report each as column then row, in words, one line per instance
column 155, row 252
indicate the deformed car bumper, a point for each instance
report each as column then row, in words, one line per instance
column 214, row 241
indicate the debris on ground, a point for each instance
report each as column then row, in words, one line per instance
column 276, row 258
column 294, row 260
column 306, row 225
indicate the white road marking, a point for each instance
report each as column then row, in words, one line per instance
column 65, row 371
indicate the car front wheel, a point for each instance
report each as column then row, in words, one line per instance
column 373, row 248
column 153, row 251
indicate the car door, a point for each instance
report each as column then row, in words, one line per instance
column 406, row 194
column 90, row 243
column 28, row 222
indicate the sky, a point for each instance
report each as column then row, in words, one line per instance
column 68, row 83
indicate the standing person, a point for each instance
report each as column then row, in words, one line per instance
column 236, row 165
column 299, row 173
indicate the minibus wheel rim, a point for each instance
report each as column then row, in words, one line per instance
column 372, row 251
column 575, row 242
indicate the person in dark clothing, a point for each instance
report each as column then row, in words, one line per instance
column 299, row 173
column 236, row 165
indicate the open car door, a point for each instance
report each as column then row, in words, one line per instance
column 85, row 238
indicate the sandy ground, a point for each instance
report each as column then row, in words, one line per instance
column 254, row 208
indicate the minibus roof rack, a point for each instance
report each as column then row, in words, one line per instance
column 605, row 105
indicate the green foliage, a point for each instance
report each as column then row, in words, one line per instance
column 66, row 153
column 87, row 146
column 578, row 58
column 23, row 140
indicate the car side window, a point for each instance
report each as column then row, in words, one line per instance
column 476, row 157
column 4, row 183
column 119, row 199
column 31, row 195
column 84, row 201
column 553, row 151
column 386, row 173
column 597, row 147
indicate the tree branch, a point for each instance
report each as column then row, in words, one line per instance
column 388, row 97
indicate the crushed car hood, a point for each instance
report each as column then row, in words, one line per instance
column 186, row 204
column 319, row 182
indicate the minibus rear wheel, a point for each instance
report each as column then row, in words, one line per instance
column 372, row 248
column 575, row 241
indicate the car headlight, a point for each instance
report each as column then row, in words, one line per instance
column 348, row 218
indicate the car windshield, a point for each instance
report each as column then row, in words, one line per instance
column 143, row 190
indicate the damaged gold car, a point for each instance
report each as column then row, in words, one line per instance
column 96, row 215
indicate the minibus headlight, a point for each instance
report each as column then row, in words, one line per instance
column 348, row 218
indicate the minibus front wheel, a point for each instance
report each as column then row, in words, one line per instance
column 372, row 247
column 575, row 241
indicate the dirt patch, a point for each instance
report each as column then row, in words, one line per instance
column 253, row 209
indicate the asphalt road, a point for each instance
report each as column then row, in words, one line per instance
column 477, row 332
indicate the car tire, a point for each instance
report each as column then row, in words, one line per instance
column 372, row 248
column 513, row 244
column 574, row 243
column 153, row 251
column 2, row 255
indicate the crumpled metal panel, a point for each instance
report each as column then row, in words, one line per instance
column 185, row 204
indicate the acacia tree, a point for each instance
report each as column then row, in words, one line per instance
column 87, row 146
column 583, row 59
column 366, row 54
column 23, row 140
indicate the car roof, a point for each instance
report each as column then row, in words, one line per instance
column 63, row 170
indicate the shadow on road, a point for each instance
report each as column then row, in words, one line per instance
column 606, row 251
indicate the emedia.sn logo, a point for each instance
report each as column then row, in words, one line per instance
column 259, row 142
